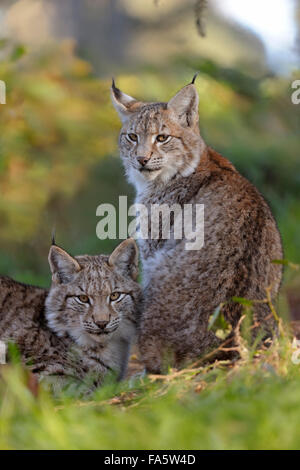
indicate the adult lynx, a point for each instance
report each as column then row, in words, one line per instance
column 168, row 162
column 84, row 324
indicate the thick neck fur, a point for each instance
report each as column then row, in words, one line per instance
column 145, row 187
column 181, row 188
column 171, row 180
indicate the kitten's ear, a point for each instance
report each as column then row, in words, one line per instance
column 185, row 105
column 126, row 258
column 124, row 104
column 63, row 266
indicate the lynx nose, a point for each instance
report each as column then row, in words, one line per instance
column 101, row 324
column 143, row 160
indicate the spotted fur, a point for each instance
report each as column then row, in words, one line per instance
column 87, row 320
column 183, row 288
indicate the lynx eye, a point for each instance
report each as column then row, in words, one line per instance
column 162, row 138
column 114, row 296
column 133, row 137
column 83, row 299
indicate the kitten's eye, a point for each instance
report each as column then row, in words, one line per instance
column 114, row 296
column 162, row 138
column 133, row 137
column 84, row 299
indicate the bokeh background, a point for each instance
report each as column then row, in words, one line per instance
column 58, row 138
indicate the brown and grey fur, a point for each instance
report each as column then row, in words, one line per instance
column 58, row 334
column 182, row 288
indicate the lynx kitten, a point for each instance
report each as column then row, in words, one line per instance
column 168, row 162
column 87, row 320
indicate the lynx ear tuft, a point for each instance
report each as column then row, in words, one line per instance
column 124, row 104
column 53, row 237
column 185, row 105
column 194, row 79
column 125, row 258
column 63, row 266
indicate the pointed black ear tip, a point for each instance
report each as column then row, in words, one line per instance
column 194, row 79
column 114, row 89
column 53, row 243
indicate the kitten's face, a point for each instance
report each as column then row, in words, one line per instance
column 159, row 140
column 92, row 297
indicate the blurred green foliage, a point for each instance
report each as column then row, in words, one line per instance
column 56, row 126
column 58, row 146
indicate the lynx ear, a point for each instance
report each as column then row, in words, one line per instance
column 63, row 266
column 126, row 258
column 124, row 104
column 185, row 105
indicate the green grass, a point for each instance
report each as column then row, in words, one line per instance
column 251, row 404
